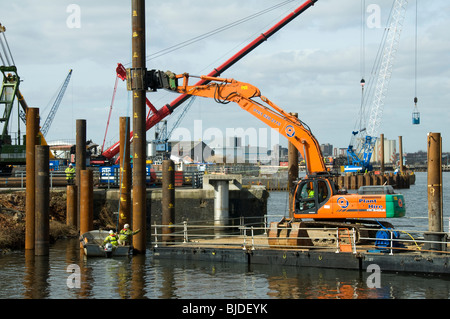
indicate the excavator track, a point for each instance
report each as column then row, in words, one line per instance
column 291, row 233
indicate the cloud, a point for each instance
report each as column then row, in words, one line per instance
column 311, row 66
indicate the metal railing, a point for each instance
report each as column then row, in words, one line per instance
column 254, row 235
column 201, row 231
column 22, row 176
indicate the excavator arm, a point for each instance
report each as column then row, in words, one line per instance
column 245, row 95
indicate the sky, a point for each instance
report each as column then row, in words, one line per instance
column 313, row 66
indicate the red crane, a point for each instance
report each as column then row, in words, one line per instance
column 158, row 115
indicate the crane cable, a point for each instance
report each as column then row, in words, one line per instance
column 6, row 49
column 110, row 111
column 213, row 32
column 363, row 42
column 415, row 63
column 358, row 127
column 362, row 66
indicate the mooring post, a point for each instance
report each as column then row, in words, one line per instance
column 292, row 172
column 434, row 181
column 125, row 173
column 221, row 204
column 86, row 202
column 42, row 197
column 435, row 221
column 71, row 206
column 135, row 82
column 32, row 130
column 80, row 158
column 400, row 150
column 168, row 200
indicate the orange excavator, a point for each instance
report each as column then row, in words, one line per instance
column 316, row 196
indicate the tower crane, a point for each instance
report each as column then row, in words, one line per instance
column 55, row 106
column 163, row 134
column 359, row 155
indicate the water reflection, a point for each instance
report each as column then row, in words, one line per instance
column 37, row 270
column 311, row 283
column 45, row 277
column 27, row 276
column 24, row 275
column 113, row 278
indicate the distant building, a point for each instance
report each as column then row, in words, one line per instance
column 191, row 151
column 234, row 152
column 327, row 149
column 418, row 158
column 227, row 151
column 278, row 154
column 340, row 152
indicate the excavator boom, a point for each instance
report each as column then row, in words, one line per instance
column 245, row 95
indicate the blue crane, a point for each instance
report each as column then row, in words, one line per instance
column 360, row 153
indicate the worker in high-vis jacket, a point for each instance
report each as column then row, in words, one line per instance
column 70, row 174
column 125, row 235
column 111, row 238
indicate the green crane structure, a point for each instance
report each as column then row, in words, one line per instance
column 11, row 153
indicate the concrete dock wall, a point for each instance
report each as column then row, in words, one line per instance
column 192, row 204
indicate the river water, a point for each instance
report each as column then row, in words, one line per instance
column 67, row 274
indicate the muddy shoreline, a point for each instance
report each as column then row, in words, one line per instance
column 13, row 218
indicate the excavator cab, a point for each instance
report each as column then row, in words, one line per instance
column 310, row 195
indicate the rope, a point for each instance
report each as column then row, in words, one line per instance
column 419, row 248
